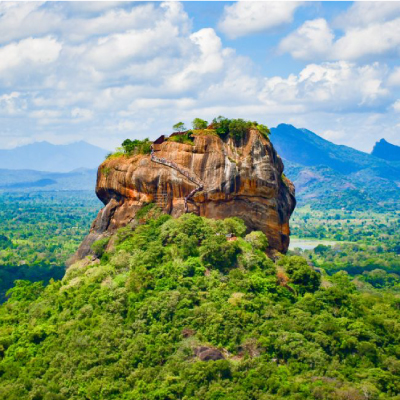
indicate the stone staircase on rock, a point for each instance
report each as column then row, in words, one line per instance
column 184, row 172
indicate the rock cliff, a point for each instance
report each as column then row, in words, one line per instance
column 214, row 177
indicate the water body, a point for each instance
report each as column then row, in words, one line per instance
column 308, row 244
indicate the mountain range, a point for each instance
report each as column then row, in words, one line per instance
column 330, row 175
column 325, row 175
column 30, row 180
column 44, row 156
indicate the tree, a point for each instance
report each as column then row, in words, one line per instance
column 301, row 274
column 199, row 123
column 5, row 242
column 238, row 128
column 99, row 246
column 321, row 249
column 128, row 146
column 263, row 129
column 258, row 240
column 218, row 253
column 221, row 125
column 179, row 127
column 235, row 226
column 136, row 146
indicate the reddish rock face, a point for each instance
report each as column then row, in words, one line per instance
column 232, row 179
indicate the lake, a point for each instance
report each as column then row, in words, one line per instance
column 308, row 244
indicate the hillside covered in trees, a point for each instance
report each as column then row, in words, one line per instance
column 171, row 309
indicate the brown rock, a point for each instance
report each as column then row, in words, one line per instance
column 225, row 178
column 208, row 354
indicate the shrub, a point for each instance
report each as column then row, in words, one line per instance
column 263, row 129
column 136, row 146
column 144, row 210
column 99, row 246
column 185, row 138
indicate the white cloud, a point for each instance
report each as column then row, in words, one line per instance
column 135, row 69
column 333, row 135
column 28, row 53
column 207, row 58
column 81, row 114
column 339, row 87
column 91, row 6
column 374, row 33
column 246, row 17
column 11, row 103
column 394, row 78
column 364, row 13
column 311, row 40
column 373, row 40
column 396, row 105
column 22, row 19
column 45, row 114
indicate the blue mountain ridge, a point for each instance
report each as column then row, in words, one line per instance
column 44, row 156
column 386, row 151
column 333, row 175
column 337, row 175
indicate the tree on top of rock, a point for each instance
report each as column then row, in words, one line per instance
column 199, row 123
column 179, row 127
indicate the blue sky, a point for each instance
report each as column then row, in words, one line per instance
column 106, row 71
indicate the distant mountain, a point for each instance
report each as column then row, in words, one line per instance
column 386, row 151
column 307, row 148
column 44, row 156
column 335, row 176
column 22, row 180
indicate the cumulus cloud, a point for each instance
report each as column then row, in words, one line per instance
column 246, row 17
column 333, row 135
column 394, row 78
column 131, row 70
column 11, row 103
column 23, row 19
column 370, row 29
column 207, row 58
column 339, row 86
column 373, row 40
column 29, row 52
column 312, row 40
column 364, row 13
column 396, row 105
column 91, row 6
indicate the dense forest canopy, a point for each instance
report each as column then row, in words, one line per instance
column 173, row 310
column 192, row 308
column 39, row 231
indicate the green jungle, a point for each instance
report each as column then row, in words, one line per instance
column 170, row 294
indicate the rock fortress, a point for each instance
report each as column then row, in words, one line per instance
column 213, row 176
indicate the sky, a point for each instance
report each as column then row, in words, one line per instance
column 106, row 71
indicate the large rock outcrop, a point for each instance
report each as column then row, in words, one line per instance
column 214, row 178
